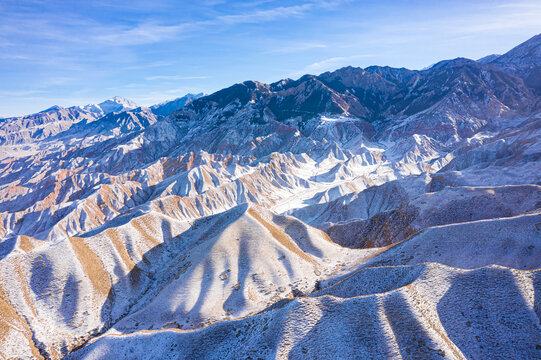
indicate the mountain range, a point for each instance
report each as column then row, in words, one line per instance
column 360, row 213
column 56, row 119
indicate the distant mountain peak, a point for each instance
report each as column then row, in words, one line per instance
column 117, row 103
column 526, row 54
column 488, row 59
column 114, row 104
column 444, row 64
column 167, row 107
column 52, row 108
column 523, row 61
column 121, row 100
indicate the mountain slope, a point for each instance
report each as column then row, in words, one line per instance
column 523, row 61
column 217, row 231
column 413, row 320
column 114, row 104
column 24, row 129
column 170, row 106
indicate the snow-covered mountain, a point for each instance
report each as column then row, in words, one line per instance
column 56, row 120
column 114, row 104
column 167, row 107
column 361, row 213
column 46, row 123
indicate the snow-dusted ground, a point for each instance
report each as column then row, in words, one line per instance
column 237, row 228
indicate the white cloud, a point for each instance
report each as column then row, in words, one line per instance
column 292, row 48
column 265, row 15
column 155, row 97
column 329, row 64
column 149, row 65
column 526, row 4
column 21, row 93
column 147, row 33
column 7, row 56
column 174, row 77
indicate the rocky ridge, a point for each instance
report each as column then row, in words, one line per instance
column 261, row 220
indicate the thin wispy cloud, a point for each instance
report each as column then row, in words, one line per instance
column 330, row 64
column 126, row 86
column 292, row 48
column 8, row 56
column 5, row 43
column 509, row 21
column 156, row 97
column 517, row 5
column 146, row 33
column 174, row 77
column 22, row 93
column 152, row 65
column 265, row 15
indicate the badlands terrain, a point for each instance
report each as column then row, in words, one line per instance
column 359, row 214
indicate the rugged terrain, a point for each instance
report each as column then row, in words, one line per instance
column 361, row 213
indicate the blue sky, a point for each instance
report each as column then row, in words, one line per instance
column 69, row 52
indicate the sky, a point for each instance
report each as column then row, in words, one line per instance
column 68, row 52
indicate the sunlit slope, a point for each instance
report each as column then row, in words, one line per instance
column 152, row 271
column 429, row 311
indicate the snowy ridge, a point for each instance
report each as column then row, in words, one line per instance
column 362, row 213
